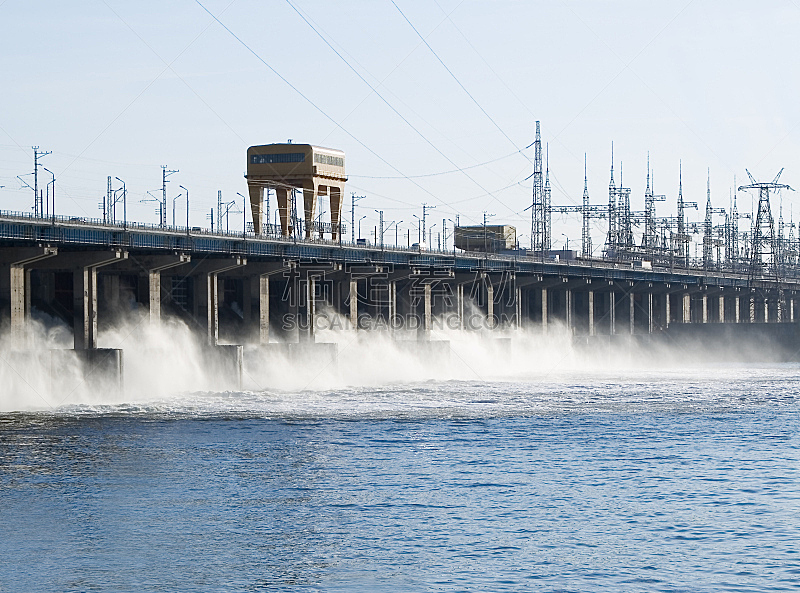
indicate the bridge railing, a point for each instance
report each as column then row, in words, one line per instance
column 691, row 265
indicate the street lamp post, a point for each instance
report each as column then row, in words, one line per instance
column 124, row 204
column 187, row 208
column 396, row 226
column 175, row 199
column 359, row 225
column 54, row 190
column 485, row 215
column 455, row 225
column 380, row 212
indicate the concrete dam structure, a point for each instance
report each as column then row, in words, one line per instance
column 276, row 290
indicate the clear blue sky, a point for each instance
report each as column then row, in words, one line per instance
column 121, row 88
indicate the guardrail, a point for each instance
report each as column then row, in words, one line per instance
column 694, row 267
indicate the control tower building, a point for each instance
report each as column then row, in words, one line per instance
column 315, row 170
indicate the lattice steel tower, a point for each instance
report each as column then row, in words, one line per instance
column 548, row 204
column 764, row 250
column 538, row 210
column 708, row 239
column 611, row 238
column 586, row 237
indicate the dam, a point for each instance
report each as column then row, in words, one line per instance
column 275, row 286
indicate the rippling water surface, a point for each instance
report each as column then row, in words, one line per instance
column 640, row 481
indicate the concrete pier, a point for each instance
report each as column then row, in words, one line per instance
column 243, row 290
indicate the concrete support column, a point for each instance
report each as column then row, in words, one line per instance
column 310, row 191
column 791, row 310
column 263, row 309
column 19, row 276
column 736, row 312
column 667, row 311
column 518, row 307
column 392, row 289
column 84, row 304
column 460, row 305
column 591, row 312
column 336, row 197
column 687, row 308
column 428, row 321
column 154, row 283
column 722, row 309
column 704, row 312
column 650, row 320
column 84, row 299
column 612, row 313
column 544, row 310
column 212, row 308
column 18, row 304
column 569, row 309
column 489, row 303
column 353, row 303
column 310, row 313
column 631, row 313
column 752, row 309
column 766, row 310
column 211, row 270
column 154, row 293
column 256, row 192
column 282, row 196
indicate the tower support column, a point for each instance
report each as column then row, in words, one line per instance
column 489, row 303
column 569, row 307
column 544, row 310
column 612, row 313
column 687, row 308
column 353, row 298
column 704, row 312
column 631, row 313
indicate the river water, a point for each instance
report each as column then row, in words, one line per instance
column 682, row 479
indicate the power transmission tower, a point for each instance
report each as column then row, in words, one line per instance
column 624, row 218
column 353, row 199
column 708, row 229
column 586, row 237
column 220, row 214
column 611, row 237
column 587, row 212
column 764, row 250
column 708, row 251
column 38, row 207
column 425, row 209
column 681, row 239
column 650, row 235
column 108, row 204
column 538, row 214
column 547, row 226
column 163, row 207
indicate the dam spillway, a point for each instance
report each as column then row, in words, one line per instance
column 239, row 289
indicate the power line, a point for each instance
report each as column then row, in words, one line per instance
column 312, row 103
column 450, row 72
column 438, row 173
column 390, row 106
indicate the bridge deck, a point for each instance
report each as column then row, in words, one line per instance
column 70, row 233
